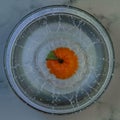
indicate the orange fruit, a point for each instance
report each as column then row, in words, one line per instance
column 64, row 63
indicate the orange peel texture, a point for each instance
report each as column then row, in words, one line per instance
column 65, row 65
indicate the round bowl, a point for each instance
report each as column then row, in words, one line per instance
column 45, row 30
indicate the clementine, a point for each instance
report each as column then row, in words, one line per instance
column 62, row 62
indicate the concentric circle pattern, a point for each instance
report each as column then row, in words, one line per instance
column 49, row 29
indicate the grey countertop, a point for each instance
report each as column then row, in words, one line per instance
column 107, row 107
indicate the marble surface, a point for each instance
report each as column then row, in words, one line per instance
column 107, row 107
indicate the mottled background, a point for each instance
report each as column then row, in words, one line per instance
column 108, row 106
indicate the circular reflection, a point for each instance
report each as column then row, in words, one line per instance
column 47, row 30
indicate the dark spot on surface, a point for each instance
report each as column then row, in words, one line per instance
column 70, row 2
column 60, row 61
column 106, row 22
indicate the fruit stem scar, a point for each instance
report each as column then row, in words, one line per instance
column 60, row 60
